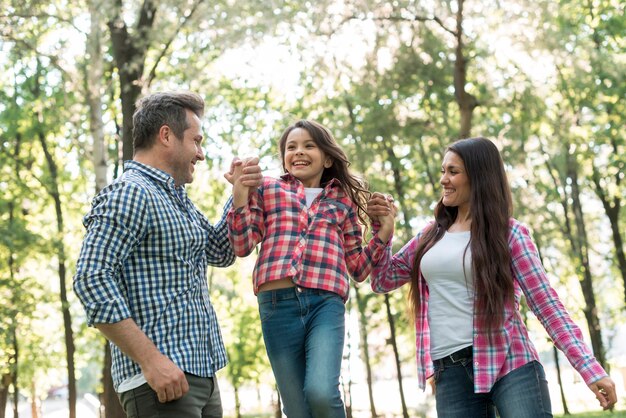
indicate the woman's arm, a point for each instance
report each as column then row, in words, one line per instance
column 546, row 305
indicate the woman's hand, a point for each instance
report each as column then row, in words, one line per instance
column 604, row 390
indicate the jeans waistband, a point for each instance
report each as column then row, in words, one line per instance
column 288, row 293
column 457, row 356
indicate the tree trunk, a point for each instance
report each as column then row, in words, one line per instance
column 5, row 381
column 14, row 375
column 467, row 102
column 278, row 411
column 109, row 402
column 53, row 190
column 612, row 208
column 237, row 403
column 94, row 92
column 109, row 399
column 129, row 53
column 12, row 359
column 35, row 405
column 360, row 303
column 396, row 168
column 394, row 345
column 558, row 376
column 586, row 282
column 578, row 246
column 347, row 388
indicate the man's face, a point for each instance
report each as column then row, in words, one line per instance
column 187, row 151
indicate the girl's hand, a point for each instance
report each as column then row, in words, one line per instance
column 388, row 221
column 378, row 205
column 250, row 173
column 243, row 181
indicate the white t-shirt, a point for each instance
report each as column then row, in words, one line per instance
column 311, row 193
column 131, row 383
column 451, row 293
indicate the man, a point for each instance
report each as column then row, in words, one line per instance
column 141, row 274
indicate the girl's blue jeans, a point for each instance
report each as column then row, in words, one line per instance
column 522, row 393
column 304, row 333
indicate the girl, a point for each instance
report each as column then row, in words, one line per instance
column 309, row 225
column 467, row 270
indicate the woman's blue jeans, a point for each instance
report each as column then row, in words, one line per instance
column 522, row 393
column 304, row 333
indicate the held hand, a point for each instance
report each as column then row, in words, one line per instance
column 378, row 205
column 165, row 378
column 231, row 175
column 604, row 390
column 251, row 174
column 240, row 191
column 387, row 222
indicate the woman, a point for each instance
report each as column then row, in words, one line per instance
column 467, row 270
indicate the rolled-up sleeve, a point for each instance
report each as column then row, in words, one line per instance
column 115, row 225
column 545, row 303
column 246, row 225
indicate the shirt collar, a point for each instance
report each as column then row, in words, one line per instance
column 328, row 185
column 153, row 172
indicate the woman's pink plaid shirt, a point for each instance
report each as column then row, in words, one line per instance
column 511, row 347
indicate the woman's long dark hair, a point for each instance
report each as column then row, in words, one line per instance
column 491, row 207
column 354, row 186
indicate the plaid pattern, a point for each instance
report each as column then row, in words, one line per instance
column 511, row 347
column 317, row 247
column 144, row 257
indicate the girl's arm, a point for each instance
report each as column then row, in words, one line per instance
column 246, row 226
column 548, row 308
column 245, row 176
column 359, row 260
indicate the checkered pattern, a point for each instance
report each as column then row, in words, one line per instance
column 144, row 257
column 511, row 347
column 317, row 247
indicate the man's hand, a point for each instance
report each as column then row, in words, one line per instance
column 245, row 176
column 250, row 175
column 162, row 375
column 165, row 378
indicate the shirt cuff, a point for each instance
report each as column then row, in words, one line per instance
column 107, row 313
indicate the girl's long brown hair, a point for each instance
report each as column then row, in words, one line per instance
column 353, row 186
column 491, row 207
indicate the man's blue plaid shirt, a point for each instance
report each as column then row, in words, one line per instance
column 144, row 257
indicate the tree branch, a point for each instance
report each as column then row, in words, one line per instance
column 152, row 73
column 54, row 60
column 416, row 18
column 41, row 15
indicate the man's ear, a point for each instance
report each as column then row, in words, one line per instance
column 165, row 135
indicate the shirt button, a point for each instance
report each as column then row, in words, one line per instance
column 476, row 363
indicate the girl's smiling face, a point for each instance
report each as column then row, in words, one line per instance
column 304, row 159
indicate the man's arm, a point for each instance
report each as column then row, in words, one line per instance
column 165, row 377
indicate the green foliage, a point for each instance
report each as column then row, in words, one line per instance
column 378, row 74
